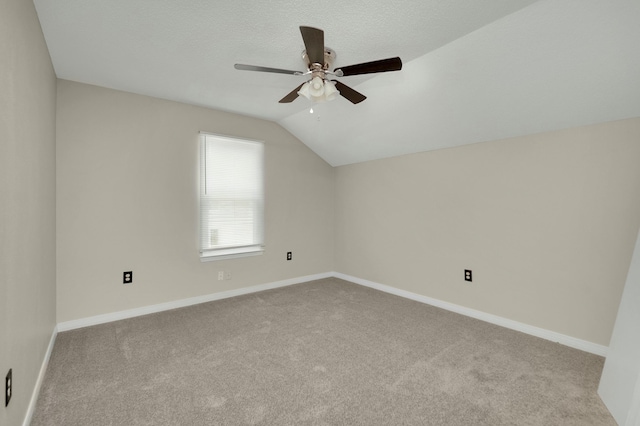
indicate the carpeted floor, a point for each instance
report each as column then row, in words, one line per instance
column 326, row 352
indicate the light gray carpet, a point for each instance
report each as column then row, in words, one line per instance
column 327, row 352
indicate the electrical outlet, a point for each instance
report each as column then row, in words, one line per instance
column 127, row 277
column 220, row 275
column 227, row 275
column 467, row 275
column 8, row 387
column 289, row 255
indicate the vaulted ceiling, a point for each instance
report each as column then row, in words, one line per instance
column 474, row 70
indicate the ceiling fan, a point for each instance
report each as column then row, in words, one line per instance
column 319, row 60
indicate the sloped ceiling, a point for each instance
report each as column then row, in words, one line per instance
column 473, row 70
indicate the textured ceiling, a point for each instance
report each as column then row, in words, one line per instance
column 473, row 70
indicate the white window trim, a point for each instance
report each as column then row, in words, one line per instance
column 232, row 252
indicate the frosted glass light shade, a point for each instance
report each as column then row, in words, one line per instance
column 304, row 91
column 330, row 91
column 316, row 87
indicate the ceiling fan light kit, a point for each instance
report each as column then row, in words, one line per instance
column 318, row 90
column 319, row 60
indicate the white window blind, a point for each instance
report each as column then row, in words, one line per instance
column 231, row 197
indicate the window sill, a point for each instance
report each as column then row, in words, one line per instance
column 230, row 254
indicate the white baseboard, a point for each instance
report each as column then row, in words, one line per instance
column 130, row 313
column 36, row 389
column 572, row 342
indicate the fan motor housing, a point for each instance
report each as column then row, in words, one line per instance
column 329, row 59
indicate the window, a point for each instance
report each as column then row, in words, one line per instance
column 231, row 197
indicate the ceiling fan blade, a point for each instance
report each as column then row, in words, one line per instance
column 265, row 69
column 353, row 96
column 314, row 43
column 382, row 65
column 291, row 96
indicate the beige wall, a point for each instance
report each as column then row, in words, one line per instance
column 127, row 200
column 27, row 202
column 546, row 222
